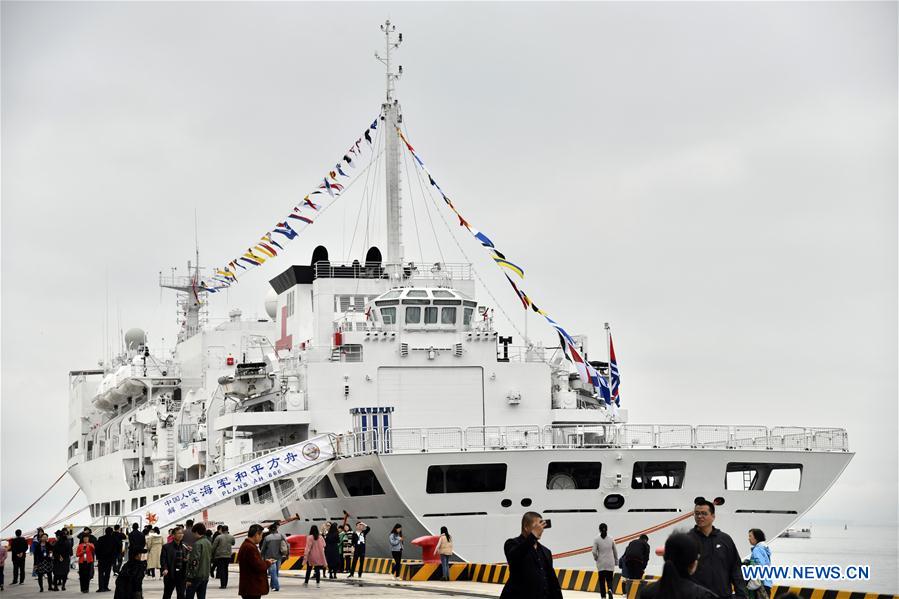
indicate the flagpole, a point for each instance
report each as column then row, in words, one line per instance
column 609, row 354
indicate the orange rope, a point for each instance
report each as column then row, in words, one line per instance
column 33, row 503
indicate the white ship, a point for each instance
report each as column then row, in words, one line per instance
column 442, row 420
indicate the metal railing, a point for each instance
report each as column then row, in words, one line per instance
column 622, row 436
column 453, row 271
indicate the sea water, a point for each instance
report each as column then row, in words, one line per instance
column 843, row 545
column 835, row 545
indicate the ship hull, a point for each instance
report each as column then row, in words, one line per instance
column 480, row 522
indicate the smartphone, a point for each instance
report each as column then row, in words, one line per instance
column 547, row 523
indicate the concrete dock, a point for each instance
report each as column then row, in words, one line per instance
column 383, row 586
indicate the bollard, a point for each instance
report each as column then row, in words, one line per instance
column 428, row 546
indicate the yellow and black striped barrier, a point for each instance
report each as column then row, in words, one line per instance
column 569, row 579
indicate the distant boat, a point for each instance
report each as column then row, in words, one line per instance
column 796, row 533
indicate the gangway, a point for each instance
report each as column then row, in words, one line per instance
column 202, row 494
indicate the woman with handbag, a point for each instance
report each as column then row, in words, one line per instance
column 760, row 556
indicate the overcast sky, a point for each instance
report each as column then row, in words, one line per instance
column 718, row 181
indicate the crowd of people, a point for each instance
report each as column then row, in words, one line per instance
column 701, row 563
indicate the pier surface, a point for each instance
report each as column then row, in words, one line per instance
column 382, row 586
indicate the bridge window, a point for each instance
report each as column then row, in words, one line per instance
column 388, row 315
column 430, row 315
column 442, row 293
column 573, row 475
column 413, row 315
column 466, row 316
column 143, row 501
column 447, row 316
column 658, row 475
column 243, row 499
column 417, row 293
column 360, row 484
column 264, row 494
column 742, row 476
column 466, row 478
column 323, row 489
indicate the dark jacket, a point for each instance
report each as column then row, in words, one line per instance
column 128, row 583
column 62, row 555
column 108, row 547
column 199, row 560
column 253, row 581
column 43, row 553
column 636, row 556
column 719, row 564
column 136, row 540
column 333, row 551
column 168, row 556
column 359, row 548
column 18, row 548
column 684, row 589
column 531, row 573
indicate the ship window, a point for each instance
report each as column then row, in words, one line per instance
column 417, row 293
column 361, row 483
column 466, row 316
column 323, row 489
column 105, row 509
column 470, row 304
column 143, row 501
column 388, row 315
column 285, row 487
column 573, row 475
column 430, row 315
column 413, row 315
column 438, row 302
column 133, row 503
column 391, row 294
column 243, row 499
column 264, row 494
column 658, row 475
column 613, row 501
column 442, row 293
column 742, row 476
column 416, row 302
column 448, row 316
column 466, row 478
column 387, row 303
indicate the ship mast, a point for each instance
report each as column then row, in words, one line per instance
column 392, row 115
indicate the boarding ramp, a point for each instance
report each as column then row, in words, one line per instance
column 313, row 457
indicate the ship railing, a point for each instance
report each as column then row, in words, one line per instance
column 155, row 370
column 409, row 272
column 521, row 353
column 609, row 435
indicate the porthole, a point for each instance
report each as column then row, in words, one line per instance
column 613, row 502
column 506, row 503
column 526, row 502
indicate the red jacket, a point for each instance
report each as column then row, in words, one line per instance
column 253, row 571
column 85, row 553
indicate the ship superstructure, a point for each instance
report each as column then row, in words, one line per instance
column 439, row 418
